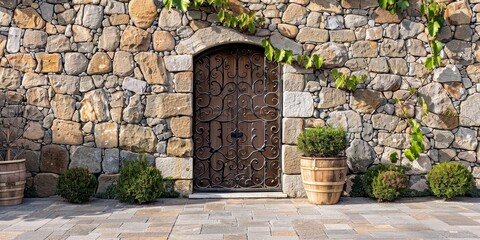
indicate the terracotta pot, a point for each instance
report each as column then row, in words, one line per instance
column 12, row 182
column 323, row 178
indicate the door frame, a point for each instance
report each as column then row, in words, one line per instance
column 205, row 51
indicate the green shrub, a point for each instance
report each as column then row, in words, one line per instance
column 76, row 185
column 139, row 182
column 169, row 188
column 322, row 141
column 357, row 187
column 373, row 173
column 388, row 185
column 450, row 179
column 474, row 192
column 30, row 192
column 109, row 193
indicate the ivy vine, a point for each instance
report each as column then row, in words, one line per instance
column 394, row 6
column 286, row 56
column 433, row 12
column 346, row 82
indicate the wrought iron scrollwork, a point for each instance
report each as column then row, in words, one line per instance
column 237, row 120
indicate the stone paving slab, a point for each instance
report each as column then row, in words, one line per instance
column 239, row 219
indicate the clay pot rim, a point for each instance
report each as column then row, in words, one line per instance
column 12, row 161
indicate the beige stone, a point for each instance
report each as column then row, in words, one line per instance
column 153, row 67
column 175, row 167
column 48, row 63
column 33, row 131
column 65, row 84
column 316, row 35
column 458, row 13
column 136, row 138
column 170, row 19
column 63, row 106
column 166, row 105
column 110, row 39
column 100, row 63
column 3, row 44
column 382, row 16
column 331, row 97
column 135, row 40
column 94, row 106
column 142, row 12
column 66, row 132
column 291, row 159
column 22, row 61
column 292, row 127
column 179, row 147
column 106, row 135
column 10, row 79
column 183, row 82
column 294, row 14
column 366, row 101
column 123, row 64
column 28, row 18
column 288, row 30
column 119, row 19
column 181, row 127
column 202, row 39
column 38, row 97
column 163, row 41
column 82, row 34
column 330, row 6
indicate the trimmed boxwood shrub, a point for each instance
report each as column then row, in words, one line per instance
column 139, row 182
column 322, row 141
column 450, row 179
column 372, row 173
column 389, row 185
column 76, row 185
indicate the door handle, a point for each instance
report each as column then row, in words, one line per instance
column 236, row 134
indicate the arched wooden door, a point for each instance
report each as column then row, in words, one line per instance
column 236, row 120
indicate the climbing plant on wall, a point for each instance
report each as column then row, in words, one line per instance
column 247, row 21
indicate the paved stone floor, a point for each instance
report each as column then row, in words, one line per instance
column 352, row 218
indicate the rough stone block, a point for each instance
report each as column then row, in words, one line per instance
column 292, row 185
column 175, row 167
column 106, row 135
column 291, row 159
column 297, row 104
column 86, row 157
column 292, row 127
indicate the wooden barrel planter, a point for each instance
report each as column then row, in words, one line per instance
column 12, row 182
column 323, row 178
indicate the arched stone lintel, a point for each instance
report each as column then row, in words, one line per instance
column 211, row 37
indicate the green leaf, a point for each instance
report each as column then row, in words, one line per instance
column 181, row 5
column 288, row 56
column 268, row 49
column 279, row 55
column 429, row 63
column 300, row 58
column 402, row 5
column 317, row 61
column 409, row 155
column 383, row 3
column 393, row 157
column 308, row 62
column 221, row 15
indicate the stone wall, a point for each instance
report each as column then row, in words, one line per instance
column 93, row 82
